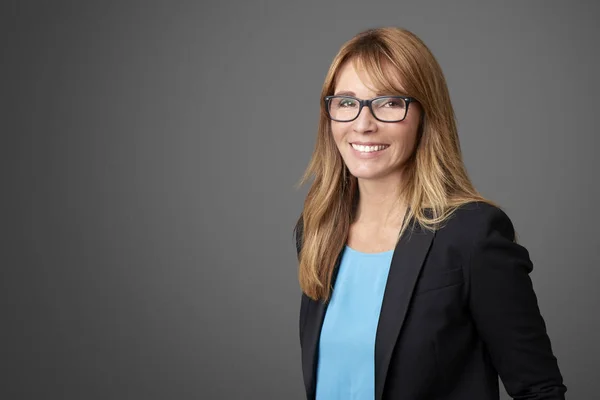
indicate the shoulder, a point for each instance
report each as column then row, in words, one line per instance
column 474, row 221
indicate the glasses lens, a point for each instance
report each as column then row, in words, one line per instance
column 389, row 108
column 343, row 108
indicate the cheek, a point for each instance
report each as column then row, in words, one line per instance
column 411, row 141
column 406, row 136
column 337, row 133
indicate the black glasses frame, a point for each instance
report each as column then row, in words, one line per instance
column 367, row 103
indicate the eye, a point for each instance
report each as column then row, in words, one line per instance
column 346, row 103
column 393, row 103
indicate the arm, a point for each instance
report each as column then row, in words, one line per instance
column 505, row 311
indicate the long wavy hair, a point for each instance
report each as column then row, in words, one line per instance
column 435, row 178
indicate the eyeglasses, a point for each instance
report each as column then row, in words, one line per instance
column 383, row 108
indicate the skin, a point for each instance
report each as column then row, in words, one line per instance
column 380, row 176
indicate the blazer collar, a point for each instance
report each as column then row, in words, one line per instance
column 407, row 261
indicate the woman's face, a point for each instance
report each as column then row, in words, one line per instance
column 395, row 141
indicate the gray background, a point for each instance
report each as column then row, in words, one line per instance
column 150, row 153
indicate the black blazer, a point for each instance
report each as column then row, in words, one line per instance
column 458, row 310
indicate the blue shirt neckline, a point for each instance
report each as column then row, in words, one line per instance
column 381, row 253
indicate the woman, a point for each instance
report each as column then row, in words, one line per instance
column 413, row 285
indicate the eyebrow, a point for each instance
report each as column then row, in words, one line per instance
column 350, row 93
column 345, row 93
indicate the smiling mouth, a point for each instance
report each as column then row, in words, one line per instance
column 369, row 148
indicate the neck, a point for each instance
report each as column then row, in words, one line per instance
column 380, row 203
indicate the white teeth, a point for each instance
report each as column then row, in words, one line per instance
column 367, row 149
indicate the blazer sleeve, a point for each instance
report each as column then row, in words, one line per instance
column 506, row 314
column 298, row 233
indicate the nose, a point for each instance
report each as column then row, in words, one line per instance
column 365, row 122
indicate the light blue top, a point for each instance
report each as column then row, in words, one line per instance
column 346, row 364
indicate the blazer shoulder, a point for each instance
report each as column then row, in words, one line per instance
column 476, row 220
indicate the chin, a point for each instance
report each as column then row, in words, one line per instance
column 366, row 175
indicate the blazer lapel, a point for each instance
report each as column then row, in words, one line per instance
column 407, row 262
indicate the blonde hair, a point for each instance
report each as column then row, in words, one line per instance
column 436, row 179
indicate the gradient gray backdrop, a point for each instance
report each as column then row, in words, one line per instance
column 150, row 156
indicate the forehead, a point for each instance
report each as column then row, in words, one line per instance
column 353, row 77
